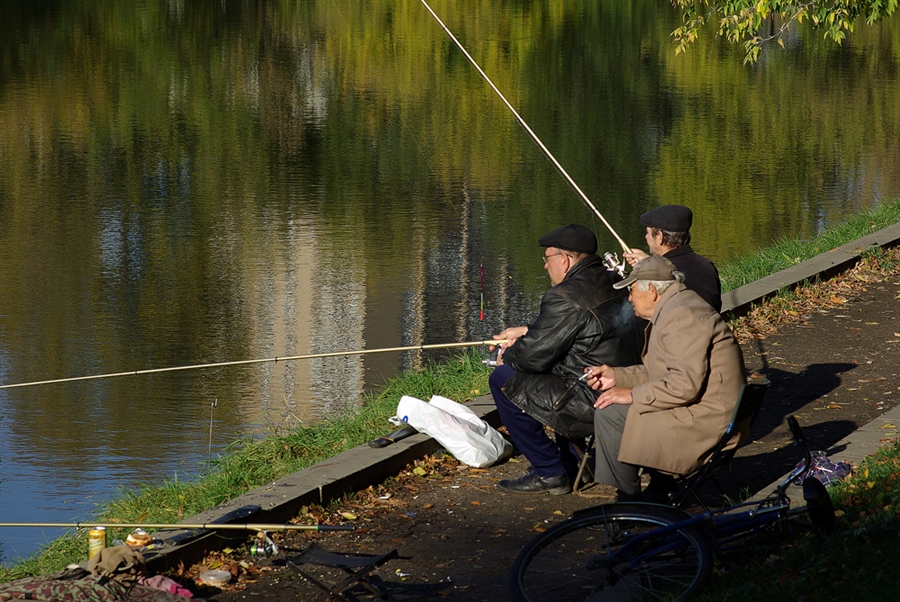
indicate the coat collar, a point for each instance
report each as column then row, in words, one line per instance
column 664, row 298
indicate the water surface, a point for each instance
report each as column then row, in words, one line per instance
column 190, row 182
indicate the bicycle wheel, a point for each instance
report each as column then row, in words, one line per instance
column 614, row 552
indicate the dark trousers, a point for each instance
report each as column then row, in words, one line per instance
column 549, row 458
column 609, row 424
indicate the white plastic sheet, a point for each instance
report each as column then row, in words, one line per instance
column 470, row 439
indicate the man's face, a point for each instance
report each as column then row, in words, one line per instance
column 556, row 262
column 654, row 241
column 644, row 302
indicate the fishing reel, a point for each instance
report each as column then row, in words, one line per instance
column 613, row 264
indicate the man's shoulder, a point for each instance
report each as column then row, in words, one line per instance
column 685, row 254
column 592, row 280
column 680, row 300
column 584, row 292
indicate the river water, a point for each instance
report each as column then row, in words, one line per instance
column 193, row 182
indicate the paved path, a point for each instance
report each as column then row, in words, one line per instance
column 835, row 368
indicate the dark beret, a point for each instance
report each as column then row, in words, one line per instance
column 570, row 238
column 671, row 218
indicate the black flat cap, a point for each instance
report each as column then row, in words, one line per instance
column 570, row 238
column 671, row 218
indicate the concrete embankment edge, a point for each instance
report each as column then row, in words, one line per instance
column 738, row 302
column 363, row 466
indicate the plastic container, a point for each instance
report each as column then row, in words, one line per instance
column 214, row 577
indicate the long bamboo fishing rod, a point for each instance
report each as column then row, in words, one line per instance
column 207, row 526
column 528, row 129
column 286, row 358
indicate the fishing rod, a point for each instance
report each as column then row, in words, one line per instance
column 528, row 129
column 287, row 358
column 207, row 526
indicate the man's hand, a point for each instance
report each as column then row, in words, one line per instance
column 619, row 395
column 635, row 256
column 511, row 334
column 601, row 377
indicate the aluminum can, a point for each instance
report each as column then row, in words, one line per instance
column 96, row 540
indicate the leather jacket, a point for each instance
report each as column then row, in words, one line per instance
column 583, row 321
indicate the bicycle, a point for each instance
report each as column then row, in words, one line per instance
column 628, row 551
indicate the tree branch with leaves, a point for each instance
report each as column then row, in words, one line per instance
column 743, row 21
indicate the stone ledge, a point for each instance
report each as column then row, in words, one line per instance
column 739, row 301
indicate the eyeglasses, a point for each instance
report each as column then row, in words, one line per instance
column 546, row 258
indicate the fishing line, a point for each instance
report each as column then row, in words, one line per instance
column 207, row 526
column 287, row 358
column 460, row 211
column 528, row 129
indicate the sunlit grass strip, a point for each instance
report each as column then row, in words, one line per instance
column 250, row 463
column 855, row 563
column 790, row 251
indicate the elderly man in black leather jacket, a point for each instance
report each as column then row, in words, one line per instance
column 582, row 318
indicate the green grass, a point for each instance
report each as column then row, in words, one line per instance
column 857, row 562
column 787, row 252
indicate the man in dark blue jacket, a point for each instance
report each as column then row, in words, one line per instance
column 582, row 318
column 668, row 235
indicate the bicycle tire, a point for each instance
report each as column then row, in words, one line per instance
column 586, row 557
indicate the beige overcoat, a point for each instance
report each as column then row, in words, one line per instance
column 685, row 390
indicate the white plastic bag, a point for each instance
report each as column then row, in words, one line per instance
column 470, row 439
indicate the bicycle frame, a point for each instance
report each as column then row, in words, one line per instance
column 729, row 524
column 632, row 549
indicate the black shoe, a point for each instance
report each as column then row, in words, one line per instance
column 586, row 478
column 654, row 497
column 622, row 497
column 660, row 489
column 532, row 482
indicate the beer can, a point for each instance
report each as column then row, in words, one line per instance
column 96, row 540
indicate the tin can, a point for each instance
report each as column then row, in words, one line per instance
column 96, row 540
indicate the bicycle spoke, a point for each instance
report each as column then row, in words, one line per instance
column 611, row 558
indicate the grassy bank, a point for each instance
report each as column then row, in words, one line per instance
column 790, row 251
column 856, row 563
column 251, row 463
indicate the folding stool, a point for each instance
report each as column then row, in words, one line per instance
column 359, row 569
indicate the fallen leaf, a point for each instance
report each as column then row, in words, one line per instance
column 419, row 471
column 348, row 515
column 427, row 506
column 475, row 503
column 888, row 426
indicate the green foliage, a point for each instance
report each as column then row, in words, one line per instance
column 855, row 563
column 754, row 23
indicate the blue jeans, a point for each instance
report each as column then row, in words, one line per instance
column 549, row 458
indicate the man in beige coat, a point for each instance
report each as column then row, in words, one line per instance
column 667, row 413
